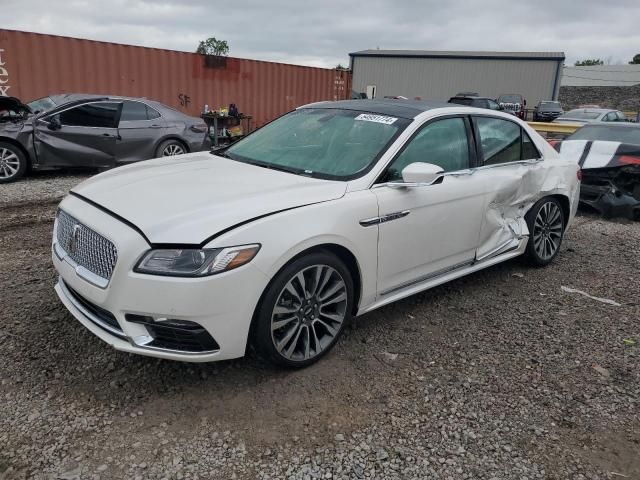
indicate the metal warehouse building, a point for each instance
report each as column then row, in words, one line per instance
column 438, row 75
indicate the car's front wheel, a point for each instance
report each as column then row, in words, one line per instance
column 13, row 163
column 304, row 310
column 546, row 224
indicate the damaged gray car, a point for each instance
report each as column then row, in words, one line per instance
column 609, row 155
column 80, row 130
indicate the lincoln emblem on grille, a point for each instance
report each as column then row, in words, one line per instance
column 73, row 239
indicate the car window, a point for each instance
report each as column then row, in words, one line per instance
column 610, row 117
column 621, row 117
column 493, row 105
column 443, row 143
column 133, row 111
column 151, row 113
column 499, row 140
column 98, row 114
column 529, row 149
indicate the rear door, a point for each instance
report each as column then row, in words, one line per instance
column 82, row 135
column 141, row 128
column 506, row 158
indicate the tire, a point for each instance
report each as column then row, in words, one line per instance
column 166, row 148
column 303, row 330
column 546, row 224
column 13, row 162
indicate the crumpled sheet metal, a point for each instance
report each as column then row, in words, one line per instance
column 610, row 176
column 515, row 190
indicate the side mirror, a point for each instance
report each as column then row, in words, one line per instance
column 54, row 123
column 420, row 174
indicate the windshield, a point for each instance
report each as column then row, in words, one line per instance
column 550, row 106
column 583, row 114
column 510, row 99
column 461, row 101
column 610, row 133
column 324, row 143
column 41, row 104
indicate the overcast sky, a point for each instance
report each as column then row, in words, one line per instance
column 323, row 32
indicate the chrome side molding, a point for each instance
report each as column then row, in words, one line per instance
column 368, row 222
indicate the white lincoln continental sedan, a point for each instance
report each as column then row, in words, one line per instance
column 329, row 212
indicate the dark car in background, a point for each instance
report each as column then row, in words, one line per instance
column 473, row 100
column 513, row 103
column 547, row 111
column 80, row 130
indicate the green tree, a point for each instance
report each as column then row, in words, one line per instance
column 636, row 59
column 213, row 46
column 589, row 62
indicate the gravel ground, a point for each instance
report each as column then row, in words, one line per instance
column 499, row 375
column 41, row 187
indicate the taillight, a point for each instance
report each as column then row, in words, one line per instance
column 579, row 175
column 198, row 128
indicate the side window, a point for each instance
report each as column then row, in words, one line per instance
column 621, row 117
column 610, row 117
column 133, row 111
column 493, row 105
column 99, row 114
column 443, row 143
column 529, row 149
column 151, row 113
column 499, row 140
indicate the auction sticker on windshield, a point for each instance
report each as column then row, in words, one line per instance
column 367, row 117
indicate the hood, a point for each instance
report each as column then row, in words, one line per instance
column 190, row 198
column 13, row 111
column 13, row 104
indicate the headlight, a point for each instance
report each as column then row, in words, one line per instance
column 193, row 262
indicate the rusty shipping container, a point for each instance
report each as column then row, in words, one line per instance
column 34, row 65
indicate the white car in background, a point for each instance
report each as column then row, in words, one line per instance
column 331, row 211
column 582, row 116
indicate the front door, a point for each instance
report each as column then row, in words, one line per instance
column 84, row 135
column 425, row 231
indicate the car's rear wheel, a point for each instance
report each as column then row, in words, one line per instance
column 13, row 163
column 546, row 230
column 304, row 310
column 169, row 148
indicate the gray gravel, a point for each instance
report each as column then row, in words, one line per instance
column 41, row 187
column 499, row 375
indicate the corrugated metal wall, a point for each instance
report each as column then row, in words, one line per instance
column 35, row 65
column 441, row 78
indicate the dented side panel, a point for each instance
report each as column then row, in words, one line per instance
column 512, row 190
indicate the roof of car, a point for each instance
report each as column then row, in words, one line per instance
column 612, row 125
column 593, row 110
column 475, row 97
column 395, row 108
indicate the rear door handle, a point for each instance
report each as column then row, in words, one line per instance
column 155, row 126
column 118, row 137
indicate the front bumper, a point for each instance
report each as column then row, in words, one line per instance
column 222, row 304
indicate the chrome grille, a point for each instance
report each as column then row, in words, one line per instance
column 85, row 247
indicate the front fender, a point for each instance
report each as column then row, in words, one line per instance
column 285, row 235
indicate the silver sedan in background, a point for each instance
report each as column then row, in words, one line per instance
column 591, row 115
column 79, row 130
